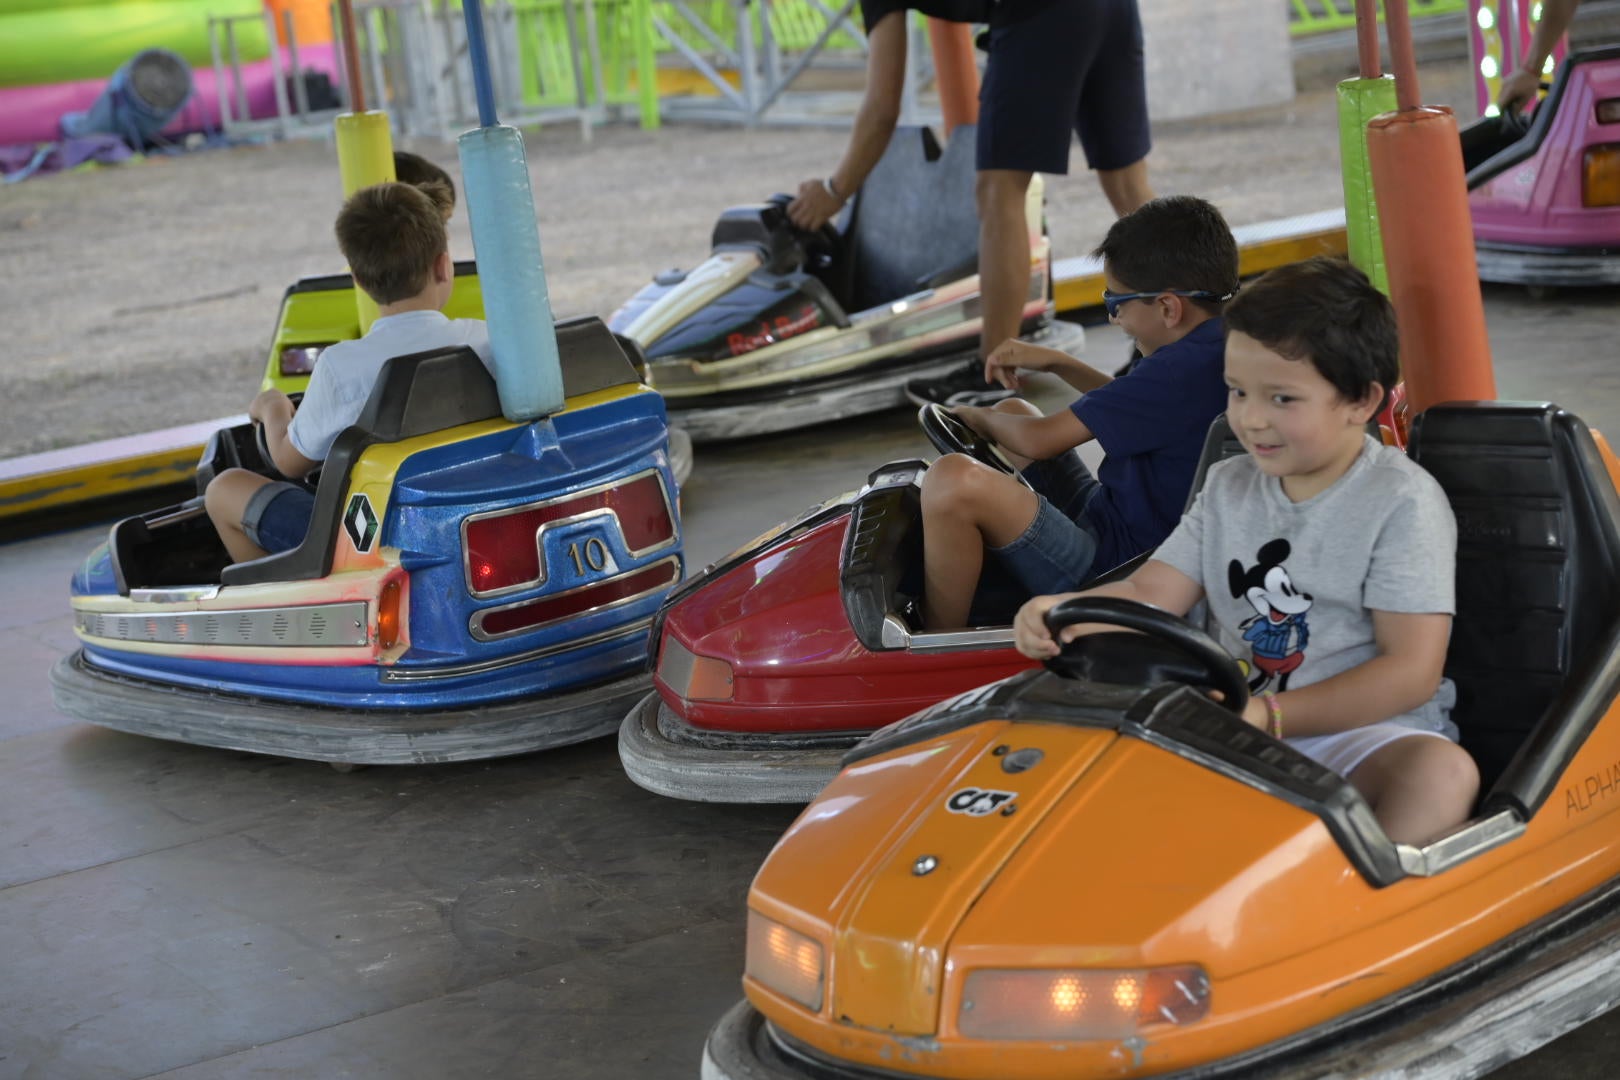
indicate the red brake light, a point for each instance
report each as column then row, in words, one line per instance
column 502, row 549
column 300, row 359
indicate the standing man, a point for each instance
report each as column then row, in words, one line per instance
column 1519, row 87
column 1055, row 67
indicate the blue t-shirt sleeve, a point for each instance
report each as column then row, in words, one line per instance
column 1136, row 413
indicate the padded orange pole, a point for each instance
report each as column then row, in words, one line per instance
column 955, row 72
column 1415, row 155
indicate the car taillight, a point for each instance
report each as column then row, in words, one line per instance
column 388, row 616
column 784, row 960
column 1608, row 111
column 502, row 549
column 300, row 359
column 693, row 676
column 1080, row 1003
column 1600, row 178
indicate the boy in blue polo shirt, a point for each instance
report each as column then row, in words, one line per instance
column 1169, row 267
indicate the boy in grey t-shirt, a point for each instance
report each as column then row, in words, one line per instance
column 1327, row 560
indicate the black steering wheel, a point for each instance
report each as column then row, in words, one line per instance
column 1175, row 650
column 820, row 246
column 951, row 436
column 261, row 442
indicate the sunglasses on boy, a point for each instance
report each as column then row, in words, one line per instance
column 1113, row 301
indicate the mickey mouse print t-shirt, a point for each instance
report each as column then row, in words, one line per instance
column 1290, row 587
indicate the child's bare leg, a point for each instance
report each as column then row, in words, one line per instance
column 965, row 506
column 1126, row 189
column 1420, row 788
column 1016, row 406
column 226, row 501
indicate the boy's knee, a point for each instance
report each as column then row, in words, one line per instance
column 1017, row 406
column 227, row 495
column 953, row 482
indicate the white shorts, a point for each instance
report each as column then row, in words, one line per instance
column 1344, row 750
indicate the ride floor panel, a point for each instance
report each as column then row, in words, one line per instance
column 193, row 914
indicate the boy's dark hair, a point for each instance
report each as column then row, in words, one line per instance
column 415, row 169
column 1173, row 242
column 391, row 234
column 1326, row 312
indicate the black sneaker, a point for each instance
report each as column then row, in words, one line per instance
column 964, row 386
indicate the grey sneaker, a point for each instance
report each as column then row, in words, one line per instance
column 964, row 386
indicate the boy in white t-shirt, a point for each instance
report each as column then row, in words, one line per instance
column 394, row 240
column 1327, row 559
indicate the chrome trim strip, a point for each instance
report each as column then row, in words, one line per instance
column 1456, row 848
column 896, row 635
column 475, row 625
column 418, row 675
column 888, row 326
column 343, row 625
column 176, row 595
column 539, row 533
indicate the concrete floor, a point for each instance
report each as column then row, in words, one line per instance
column 170, row 911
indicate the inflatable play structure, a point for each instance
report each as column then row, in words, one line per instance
column 58, row 56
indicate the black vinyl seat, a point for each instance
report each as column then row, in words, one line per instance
column 915, row 219
column 1533, row 646
column 416, row 395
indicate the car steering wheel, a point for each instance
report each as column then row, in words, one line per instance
column 819, row 246
column 261, row 442
column 1173, row 651
column 951, row 436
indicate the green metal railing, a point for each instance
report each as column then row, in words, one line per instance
column 1316, row 16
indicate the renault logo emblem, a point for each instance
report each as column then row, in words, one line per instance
column 360, row 522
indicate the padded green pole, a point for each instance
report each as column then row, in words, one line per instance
column 1359, row 101
column 646, row 63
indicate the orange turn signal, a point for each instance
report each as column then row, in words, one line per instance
column 784, row 960
column 388, row 615
column 1600, row 179
column 1080, row 1003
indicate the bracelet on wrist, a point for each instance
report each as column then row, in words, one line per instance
column 1274, row 716
column 832, row 189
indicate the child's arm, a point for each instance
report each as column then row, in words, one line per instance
column 1033, row 437
column 274, row 410
column 1158, row 584
column 1402, row 677
column 1002, row 366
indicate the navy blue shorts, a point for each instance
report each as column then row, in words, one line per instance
column 1074, row 65
column 277, row 516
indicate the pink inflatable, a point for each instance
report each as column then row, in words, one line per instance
column 29, row 114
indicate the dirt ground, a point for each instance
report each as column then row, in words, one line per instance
column 143, row 296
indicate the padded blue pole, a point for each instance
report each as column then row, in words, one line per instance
column 483, row 87
column 506, row 241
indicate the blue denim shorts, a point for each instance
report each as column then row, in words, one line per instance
column 277, row 516
column 1056, row 552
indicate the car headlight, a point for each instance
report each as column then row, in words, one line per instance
column 785, row 961
column 691, row 676
column 300, row 359
column 1080, row 1003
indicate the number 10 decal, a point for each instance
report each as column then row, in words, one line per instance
column 592, row 553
